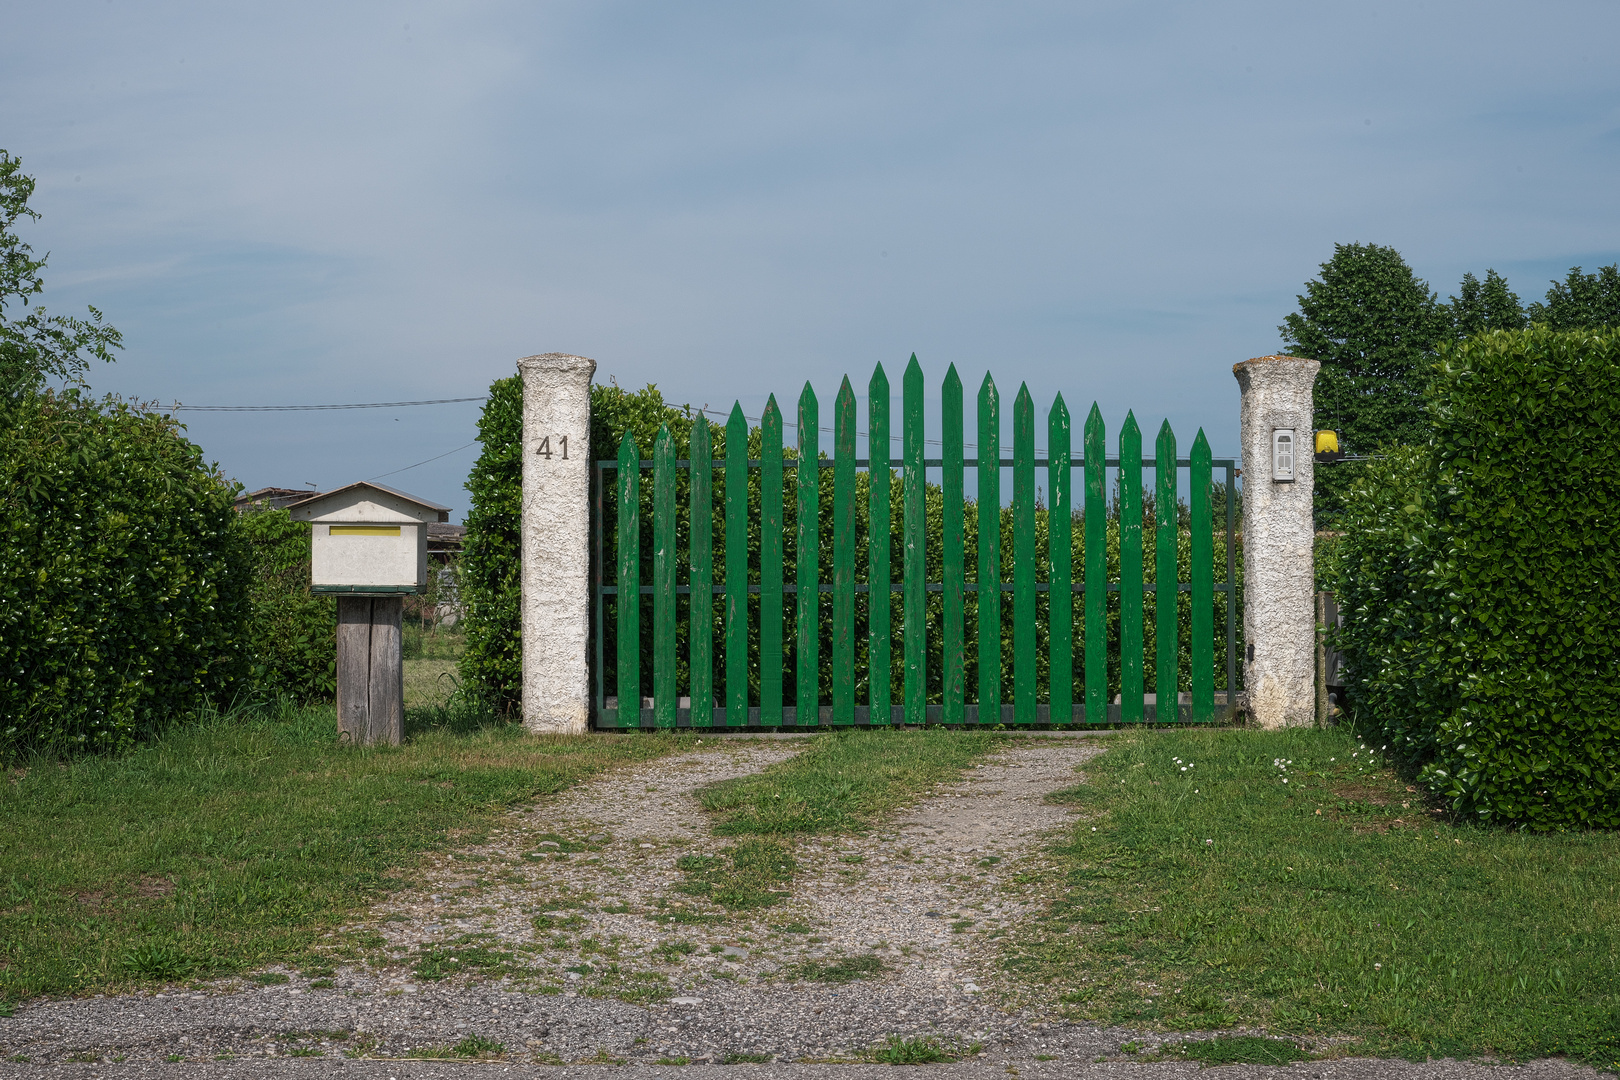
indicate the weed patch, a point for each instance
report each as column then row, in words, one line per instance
column 842, row 970
column 925, row 1050
column 753, row 874
column 1238, row 1050
column 841, row 782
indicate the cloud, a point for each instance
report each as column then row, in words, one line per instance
column 365, row 202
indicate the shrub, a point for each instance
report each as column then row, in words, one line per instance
column 291, row 635
column 491, row 668
column 123, row 585
column 1479, row 576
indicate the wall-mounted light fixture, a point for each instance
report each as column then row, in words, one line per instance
column 1282, row 455
column 1327, row 446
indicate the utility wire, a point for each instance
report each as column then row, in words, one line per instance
column 408, row 468
column 702, row 410
column 314, row 408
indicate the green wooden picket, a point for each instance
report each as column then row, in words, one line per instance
column 1096, row 569
column 914, row 568
column 1024, row 661
column 843, row 627
column 736, row 568
column 665, row 699
column 807, row 579
column 770, row 565
column 1027, row 563
column 953, row 682
column 629, row 545
column 1059, row 567
column 1164, row 575
column 989, row 580
column 700, row 628
column 1202, row 555
column 1130, row 571
column 879, row 534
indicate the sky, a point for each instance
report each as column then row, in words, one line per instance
column 297, row 203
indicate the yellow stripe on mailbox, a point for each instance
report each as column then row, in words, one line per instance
column 365, row 530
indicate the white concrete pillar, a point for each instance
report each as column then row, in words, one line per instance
column 556, row 572
column 1279, row 616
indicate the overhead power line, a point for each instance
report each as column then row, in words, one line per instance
column 177, row 406
column 436, row 457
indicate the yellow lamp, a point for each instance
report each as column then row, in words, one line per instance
column 1327, row 442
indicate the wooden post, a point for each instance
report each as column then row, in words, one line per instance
column 370, row 671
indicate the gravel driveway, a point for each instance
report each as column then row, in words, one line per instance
column 584, row 952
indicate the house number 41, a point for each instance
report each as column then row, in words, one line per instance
column 544, row 449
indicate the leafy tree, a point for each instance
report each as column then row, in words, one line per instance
column 1487, row 305
column 1581, row 301
column 1373, row 324
column 35, row 346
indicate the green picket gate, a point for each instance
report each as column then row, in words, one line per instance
column 765, row 660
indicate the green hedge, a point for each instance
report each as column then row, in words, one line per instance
column 291, row 635
column 1478, row 576
column 123, row 584
column 491, row 668
column 492, row 665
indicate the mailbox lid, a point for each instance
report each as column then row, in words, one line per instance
column 366, row 503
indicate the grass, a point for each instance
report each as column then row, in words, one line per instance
column 235, row 843
column 842, row 782
column 1237, row 1050
column 430, row 658
column 923, row 1050
column 1289, row 879
column 752, row 874
column 841, row 970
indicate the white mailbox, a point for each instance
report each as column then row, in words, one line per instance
column 368, row 539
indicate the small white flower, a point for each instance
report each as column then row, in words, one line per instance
column 1378, row 967
column 1209, row 841
column 1285, row 779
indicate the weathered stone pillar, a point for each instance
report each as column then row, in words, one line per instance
column 556, row 572
column 1279, row 616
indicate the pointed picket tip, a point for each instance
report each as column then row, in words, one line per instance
column 1130, row 427
column 845, row 390
column 664, row 438
column 808, row 394
column 1200, row 444
column 627, row 445
column 913, row 367
column 1059, row 410
column 952, row 378
column 879, row 379
column 771, row 408
column 1094, row 421
column 987, row 390
column 1164, row 430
